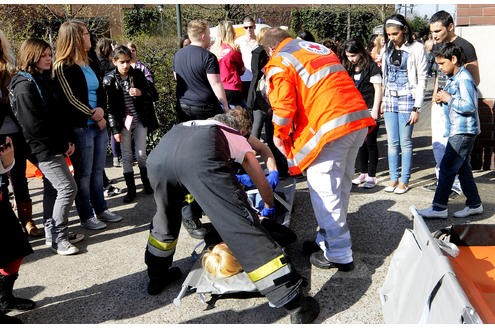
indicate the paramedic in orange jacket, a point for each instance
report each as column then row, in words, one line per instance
column 320, row 121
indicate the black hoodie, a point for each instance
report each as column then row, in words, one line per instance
column 44, row 120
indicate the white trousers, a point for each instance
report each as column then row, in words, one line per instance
column 330, row 180
column 439, row 138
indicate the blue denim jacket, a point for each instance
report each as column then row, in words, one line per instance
column 463, row 106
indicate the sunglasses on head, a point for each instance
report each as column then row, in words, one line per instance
column 248, row 27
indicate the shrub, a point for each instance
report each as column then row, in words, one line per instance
column 157, row 54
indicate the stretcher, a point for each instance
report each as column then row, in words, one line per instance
column 444, row 277
column 198, row 280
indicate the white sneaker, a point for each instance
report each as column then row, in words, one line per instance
column 360, row 179
column 73, row 238
column 108, row 216
column 64, row 247
column 370, row 183
column 467, row 211
column 93, row 224
column 430, row 213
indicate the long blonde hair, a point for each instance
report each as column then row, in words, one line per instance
column 70, row 44
column 219, row 262
column 225, row 35
column 7, row 66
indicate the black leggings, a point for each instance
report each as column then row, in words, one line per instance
column 367, row 158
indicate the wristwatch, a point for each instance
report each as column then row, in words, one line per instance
column 416, row 109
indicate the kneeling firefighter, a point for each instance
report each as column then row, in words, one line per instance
column 196, row 157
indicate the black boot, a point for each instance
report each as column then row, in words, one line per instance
column 7, row 300
column 160, row 273
column 6, row 320
column 191, row 212
column 131, row 187
column 146, row 182
column 303, row 309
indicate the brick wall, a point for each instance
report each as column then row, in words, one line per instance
column 483, row 156
column 475, row 14
column 476, row 23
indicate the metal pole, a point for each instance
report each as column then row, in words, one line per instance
column 179, row 20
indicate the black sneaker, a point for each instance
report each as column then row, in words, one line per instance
column 195, row 228
column 306, row 312
column 319, row 260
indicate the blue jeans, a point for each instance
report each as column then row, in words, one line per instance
column 59, row 192
column 89, row 161
column 457, row 160
column 399, row 136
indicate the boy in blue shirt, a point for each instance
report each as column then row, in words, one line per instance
column 460, row 98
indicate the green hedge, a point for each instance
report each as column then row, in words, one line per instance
column 157, row 54
column 332, row 23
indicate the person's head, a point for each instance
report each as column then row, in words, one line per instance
column 356, row 55
column 184, row 41
column 260, row 35
column 243, row 118
column 7, row 67
column 133, row 48
column 306, row 36
column 379, row 42
column 104, row 48
column 449, row 58
column 35, row 56
column 226, row 32
column 249, row 26
column 238, row 119
column 73, row 43
column 122, row 59
column 199, row 32
column 272, row 38
column 442, row 26
column 219, row 262
column 5, row 51
column 332, row 44
column 397, row 30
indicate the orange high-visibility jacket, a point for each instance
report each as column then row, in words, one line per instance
column 314, row 100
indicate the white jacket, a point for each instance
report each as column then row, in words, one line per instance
column 416, row 69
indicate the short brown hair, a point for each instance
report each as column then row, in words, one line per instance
column 30, row 54
column 248, row 19
column 243, row 118
column 197, row 27
column 273, row 37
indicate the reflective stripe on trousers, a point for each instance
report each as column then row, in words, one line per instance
column 329, row 180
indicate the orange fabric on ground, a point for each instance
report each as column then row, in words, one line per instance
column 33, row 172
column 475, row 271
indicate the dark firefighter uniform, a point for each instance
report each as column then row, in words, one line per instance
column 197, row 157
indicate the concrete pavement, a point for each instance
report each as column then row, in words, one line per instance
column 107, row 282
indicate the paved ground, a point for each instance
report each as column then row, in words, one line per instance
column 106, row 283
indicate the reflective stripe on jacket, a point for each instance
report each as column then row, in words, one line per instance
column 314, row 100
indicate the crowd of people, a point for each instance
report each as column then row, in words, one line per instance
column 320, row 105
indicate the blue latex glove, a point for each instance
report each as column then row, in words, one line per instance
column 245, row 180
column 272, row 178
column 268, row 212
